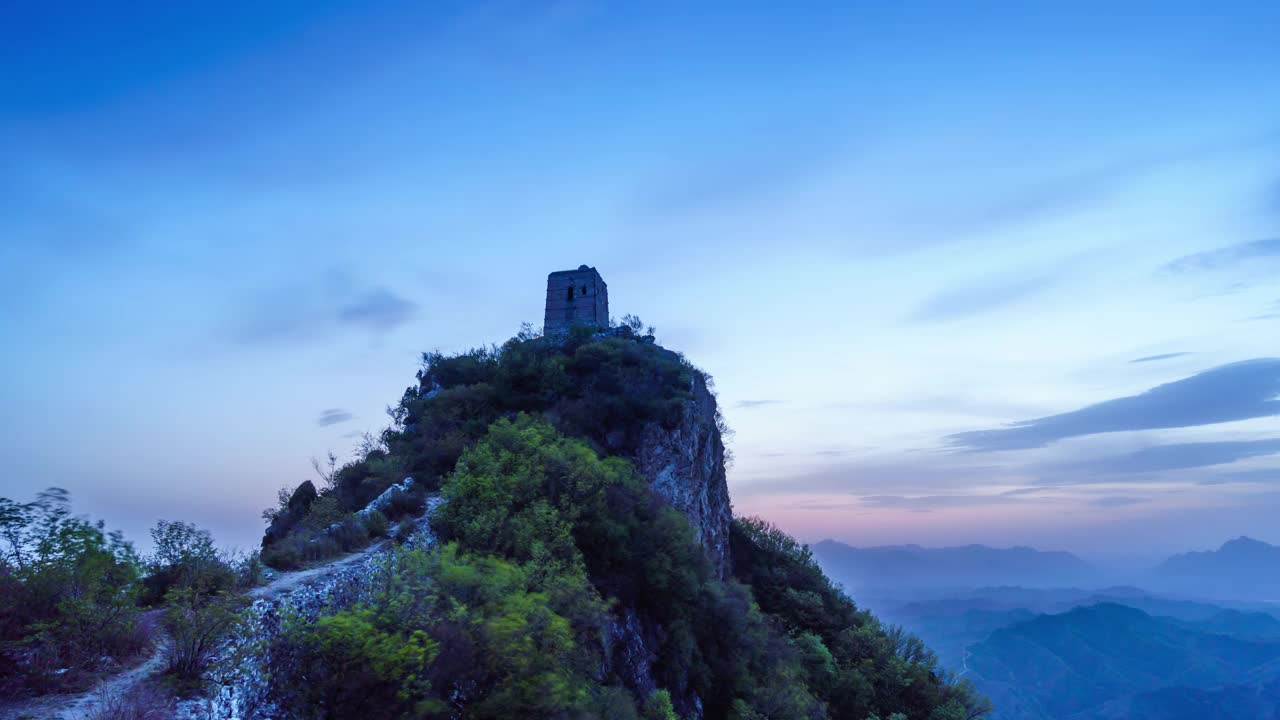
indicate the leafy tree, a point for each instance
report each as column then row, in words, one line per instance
column 353, row 666
column 69, row 592
column 859, row 667
column 200, row 626
column 449, row 635
column 530, row 494
column 185, row 557
column 658, row 706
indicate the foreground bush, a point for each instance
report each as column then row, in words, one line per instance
column 199, row 627
column 69, row 596
column 144, row 701
column 450, row 634
column 856, row 665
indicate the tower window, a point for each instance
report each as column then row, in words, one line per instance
column 570, row 294
column 584, row 290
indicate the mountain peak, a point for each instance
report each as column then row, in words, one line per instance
column 1245, row 543
column 1224, row 571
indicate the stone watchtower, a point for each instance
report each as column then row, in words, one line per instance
column 575, row 297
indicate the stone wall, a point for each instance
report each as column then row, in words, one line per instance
column 575, row 297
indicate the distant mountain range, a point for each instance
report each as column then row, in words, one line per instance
column 1241, row 568
column 911, row 567
column 951, row 624
column 1046, row 638
column 1109, row 661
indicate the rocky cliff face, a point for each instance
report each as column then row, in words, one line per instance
column 686, row 466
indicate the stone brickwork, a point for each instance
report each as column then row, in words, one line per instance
column 575, row 297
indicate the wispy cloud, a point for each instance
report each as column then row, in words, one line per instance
column 991, row 294
column 1164, row 356
column 306, row 314
column 747, row 171
column 1257, row 475
column 377, row 310
column 1052, row 196
column 1225, row 257
column 1238, row 391
column 333, row 416
column 56, row 224
column 1179, row 456
column 925, row 503
column 889, row 476
column 1072, row 192
column 751, row 404
column 1118, row 501
column 1023, row 491
column 1272, row 314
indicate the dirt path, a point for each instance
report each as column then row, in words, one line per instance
column 289, row 581
column 78, row 706
column 81, row 705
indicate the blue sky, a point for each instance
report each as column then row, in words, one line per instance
column 989, row 273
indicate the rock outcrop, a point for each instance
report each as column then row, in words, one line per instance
column 241, row 680
column 686, row 465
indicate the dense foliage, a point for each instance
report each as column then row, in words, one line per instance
column 855, row 664
column 604, row 390
column 545, row 542
column 512, row 616
column 73, row 597
column 561, row 585
column 68, row 593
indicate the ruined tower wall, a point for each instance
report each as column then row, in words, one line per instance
column 575, row 297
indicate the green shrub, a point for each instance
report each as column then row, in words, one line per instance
column 144, row 701
column 603, row 389
column 375, row 524
column 320, row 548
column 448, row 628
column 185, row 557
column 404, row 531
column 351, row 534
column 658, row 706
column 199, row 628
column 69, row 594
column 324, row 512
column 531, row 495
column 851, row 661
column 285, row 554
column 354, row 668
column 249, row 570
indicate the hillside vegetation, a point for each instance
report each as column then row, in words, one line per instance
column 563, row 586
column 558, row 579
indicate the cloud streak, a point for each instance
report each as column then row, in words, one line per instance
column 1225, row 257
column 1180, row 456
column 333, row 416
column 1155, row 358
column 1117, row 501
column 304, row 315
column 1237, row 391
column 751, row 404
column 378, row 310
column 961, row 302
column 926, row 503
